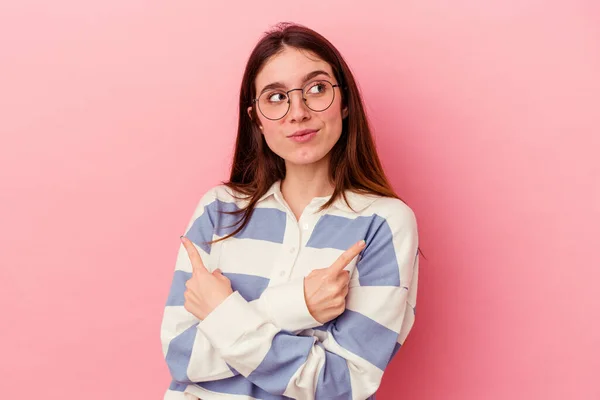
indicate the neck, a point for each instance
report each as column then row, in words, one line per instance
column 304, row 182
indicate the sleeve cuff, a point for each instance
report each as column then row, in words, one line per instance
column 227, row 323
column 287, row 306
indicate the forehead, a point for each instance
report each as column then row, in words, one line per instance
column 289, row 67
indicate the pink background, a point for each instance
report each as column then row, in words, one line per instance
column 116, row 116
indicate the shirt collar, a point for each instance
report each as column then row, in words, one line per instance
column 275, row 188
column 358, row 201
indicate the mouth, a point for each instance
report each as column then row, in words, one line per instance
column 303, row 135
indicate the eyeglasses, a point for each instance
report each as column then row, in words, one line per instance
column 317, row 95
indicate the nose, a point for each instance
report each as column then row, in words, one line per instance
column 298, row 109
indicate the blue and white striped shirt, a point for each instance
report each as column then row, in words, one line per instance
column 262, row 342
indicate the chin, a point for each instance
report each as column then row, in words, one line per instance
column 305, row 157
column 301, row 162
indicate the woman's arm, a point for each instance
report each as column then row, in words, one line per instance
column 189, row 355
column 347, row 357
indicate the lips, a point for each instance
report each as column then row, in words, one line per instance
column 302, row 132
column 303, row 136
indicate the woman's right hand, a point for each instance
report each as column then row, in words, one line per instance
column 325, row 289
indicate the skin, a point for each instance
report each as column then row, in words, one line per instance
column 307, row 176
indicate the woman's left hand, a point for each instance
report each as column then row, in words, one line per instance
column 204, row 290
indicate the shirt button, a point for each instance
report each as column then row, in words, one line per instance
column 305, row 227
column 282, row 273
column 292, row 250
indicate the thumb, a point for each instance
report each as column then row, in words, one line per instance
column 219, row 275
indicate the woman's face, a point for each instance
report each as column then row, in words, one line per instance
column 290, row 69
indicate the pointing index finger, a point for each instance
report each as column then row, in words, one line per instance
column 344, row 259
column 196, row 260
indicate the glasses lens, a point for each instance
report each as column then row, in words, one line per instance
column 319, row 95
column 273, row 104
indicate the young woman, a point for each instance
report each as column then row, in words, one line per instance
column 297, row 278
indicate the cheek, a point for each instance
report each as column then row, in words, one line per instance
column 273, row 135
column 269, row 127
column 333, row 115
column 333, row 120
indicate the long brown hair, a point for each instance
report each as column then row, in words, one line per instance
column 354, row 163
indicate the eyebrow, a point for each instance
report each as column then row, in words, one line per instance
column 310, row 75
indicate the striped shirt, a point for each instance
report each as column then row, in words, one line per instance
column 261, row 342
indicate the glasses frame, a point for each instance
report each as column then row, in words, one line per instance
column 289, row 99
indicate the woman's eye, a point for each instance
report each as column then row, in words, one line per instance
column 316, row 88
column 276, row 97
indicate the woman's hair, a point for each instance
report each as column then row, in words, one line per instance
column 354, row 163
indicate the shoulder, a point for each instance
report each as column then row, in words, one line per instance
column 388, row 208
column 218, row 194
column 215, row 201
column 392, row 207
column 216, row 198
column 395, row 212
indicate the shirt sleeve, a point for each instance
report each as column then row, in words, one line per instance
column 176, row 391
column 189, row 355
column 346, row 358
